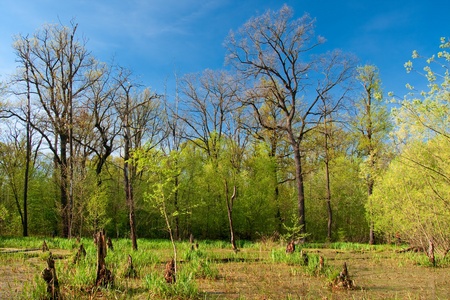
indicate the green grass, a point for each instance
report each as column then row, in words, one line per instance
column 185, row 286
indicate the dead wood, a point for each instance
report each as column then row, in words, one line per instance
column 290, row 248
column 191, row 238
column 412, row 249
column 44, row 247
column 110, row 244
column 104, row 276
column 130, row 272
column 169, row 272
column 49, row 275
column 81, row 253
column 431, row 253
column 321, row 263
column 343, row 281
column 304, row 258
column 20, row 250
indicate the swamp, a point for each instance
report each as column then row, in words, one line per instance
column 212, row 270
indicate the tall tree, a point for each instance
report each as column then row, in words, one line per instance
column 371, row 126
column 274, row 46
column 271, row 114
column 412, row 198
column 174, row 145
column 140, row 119
column 211, row 123
column 60, row 70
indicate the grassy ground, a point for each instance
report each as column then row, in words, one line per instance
column 258, row 271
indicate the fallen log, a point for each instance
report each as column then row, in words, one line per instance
column 412, row 249
column 20, row 250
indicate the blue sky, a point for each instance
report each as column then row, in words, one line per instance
column 156, row 37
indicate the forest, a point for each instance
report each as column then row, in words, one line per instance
column 289, row 143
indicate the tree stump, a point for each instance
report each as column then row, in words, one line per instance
column 290, row 248
column 49, row 275
column 191, row 239
column 431, row 253
column 44, row 247
column 130, row 272
column 110, row 245
column 81, row 252
column 104, row 276
column 321, row 263
column 169, row 272
column 343, row 281
column 304, row 258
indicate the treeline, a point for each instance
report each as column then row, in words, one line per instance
column 288, row 142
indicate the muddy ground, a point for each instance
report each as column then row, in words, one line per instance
column 378, row 275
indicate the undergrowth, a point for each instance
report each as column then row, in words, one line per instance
column 310, row 263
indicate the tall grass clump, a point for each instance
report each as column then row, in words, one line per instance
column 315, row 269
column 422, row 259
column 310, row 263
column 36, row 289
column 198, row 263
column 185, row 286
column 193, row 254
column 296, row 258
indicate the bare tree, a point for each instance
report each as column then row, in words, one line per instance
column 59, row 72
column 174, row 142
column 214, row 123
column 209, row 97
column 277, row 48
column 139, row 113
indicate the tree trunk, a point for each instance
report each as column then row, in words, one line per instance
column 127, row 180
column 327, row 174
column 230, row 213
column 71, row 152
column 330, row 212
column 177, row 219
column 49, row 275
column 28, row 154
column 371, row 234
column 104, row 276
column 63, row 185
column 300, row 188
